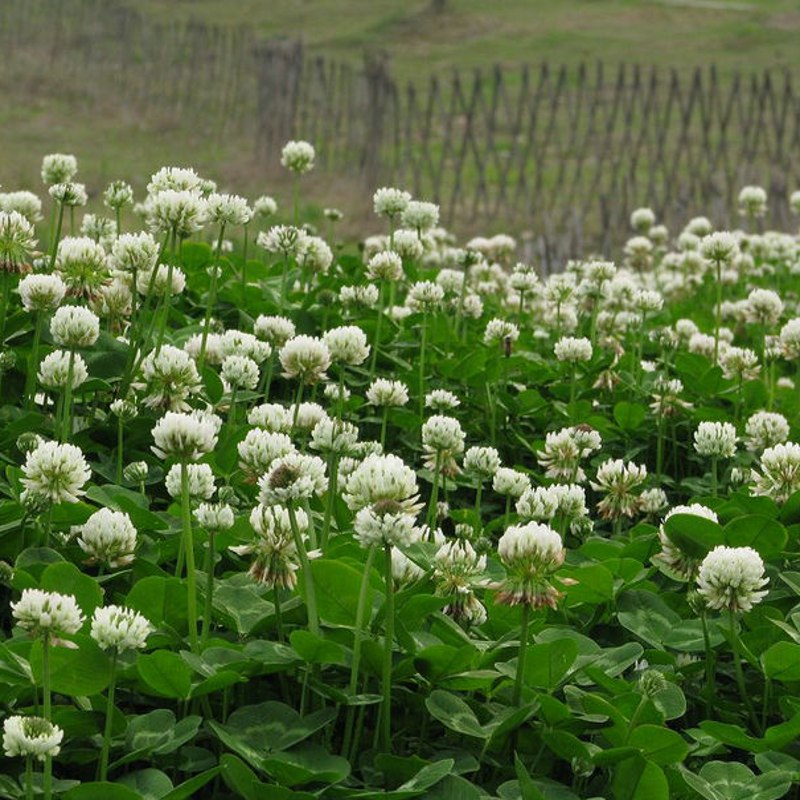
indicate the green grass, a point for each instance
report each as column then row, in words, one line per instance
column 477, row 33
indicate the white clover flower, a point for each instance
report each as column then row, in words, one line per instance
column 564, row 501
column 31, row 737
column 653, row 500
column 74, row 326
column 441, row 400
column 215, row 516
column 360, row 296
column 387, row 394
column 569, row 348
column 717, row 439
column 54, row 370
column 265, row 206
column 100, row 229
column 276, row 562
column 47, row 612
column 381, row 478
column 404, row 570
column 618, row 481
column 108, row 537
column 334, row 436
column 59, row 167
column 483, row 462
column 510, row 482
column 671, row 559
column 385, row 266
column 82, row 264
column 408, row 244
column 69, row 194
column 271, row 417
column 645, row 300
column 17, row 242
column 228, row 209
column 499, row 331
column 347, row 345
column 201, row 481
column 306, row 358
column 752, row 202
column 117, row 195
column 315, row 255
column 275, row 330
column 740, row 363
column 165, row 279
column 179, row 210
column 284, row 239
column 564, row 450
column 41, row 292
column 721, row 248
column 239, row 343
column 443, row 434
column 779, row 476
column 790, row 339
column 530, row 553
column 184, row 436
column 56, row 471
column 260, row 448
column 240, row 371
column 732, row 578
column 309, row 414
column 420, row 216
column 293, row 477
column 298, row 157
column 175, row 179
column 120, row 628
column 766, row 429
column 23, row 202
column 457, row 568
column 424, row 296
column 763, row 306
column 473, row 306
column 391, row 203
column 384, row 523
column 169, row 378
column 642, row 219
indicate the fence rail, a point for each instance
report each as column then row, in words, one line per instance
column 564, row 153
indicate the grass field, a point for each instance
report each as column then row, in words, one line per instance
column 476, row 33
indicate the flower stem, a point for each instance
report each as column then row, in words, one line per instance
column 33, row 364
column 188, row 548
column 48, row 762
column 333, row 471
column 66, row 422
column 208, row 607
column 714, row 479
column 423, row 342
column 358, row 637
column 386, row 677
column 212, row 299
column 374, row 360
column 523, row 648
column 384, row 422
column 29, row 778
column 297, row 399
column 710, row 688
column 434, row 501
column 109, row 718
column 311, row 596
column 54, row 243
column 737, row 661
column 120, row 449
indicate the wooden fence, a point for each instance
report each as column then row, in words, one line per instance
column 563, row 153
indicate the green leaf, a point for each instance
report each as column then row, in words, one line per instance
column 629, row 416
column 782, row 662
column 102, row 790
column 527, row 787
column 188, row 789
column 767, row 536
column 81, row 671
column 638, row 779
column 157, row 733
column 161, row 600
column 150, row 784
column 455, row 714
column 315, row 650
column 547, row 664
column 166, row 673
column 306, row 763
column 337, row 585
column 659, row 745
column 694, row 535
column 646, row 615
column 594, row 584
column 68, row 579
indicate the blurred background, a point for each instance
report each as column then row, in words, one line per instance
column 548, row 119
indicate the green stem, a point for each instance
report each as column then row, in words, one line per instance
column 109, row 718
column 358, row 637
column 33, row 364
column 54, row 243
column 118, row 215
column 386, row 677
column 423, row 343
column 297, row 399
column 167, row 302
column 384, row 422
column 66, row 422
column 523, row 648
column 29, row 778
column 573, row 386
column 212, row 299
column 718, row 312
column 710, row 687
column 714, row 479
column 48, row 762
column 478, row 495
column 120, row 449
column 376, row 345
column 434, row 501
column 208, row 607
column 333, row 472
column 660, row 449
column 188, row 547
column 737, row 661
column 311, row 595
